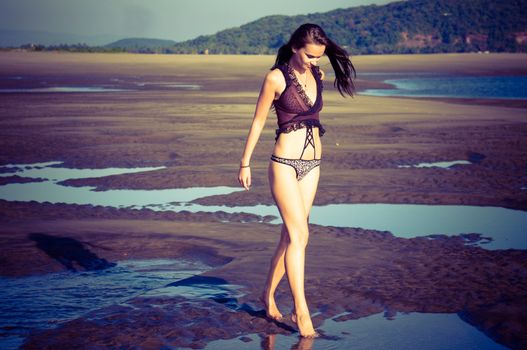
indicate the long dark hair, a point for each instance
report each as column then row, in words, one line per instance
column 309, row 33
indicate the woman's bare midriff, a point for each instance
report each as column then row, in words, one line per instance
column 290, row 145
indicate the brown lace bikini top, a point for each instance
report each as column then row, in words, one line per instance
column 294, row 108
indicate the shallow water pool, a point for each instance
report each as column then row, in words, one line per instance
column 453, row 86
column 44, row 301
column 431, row 331
column 443, row 164
column 504, row 227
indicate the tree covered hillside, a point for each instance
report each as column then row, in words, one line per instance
column 413, row 26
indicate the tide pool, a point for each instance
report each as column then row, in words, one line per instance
column 431, row 331
column 454, row 86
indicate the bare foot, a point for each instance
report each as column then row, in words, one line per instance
column 270, row 308
column 305, row 326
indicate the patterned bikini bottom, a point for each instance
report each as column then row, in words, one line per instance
column 301, row 166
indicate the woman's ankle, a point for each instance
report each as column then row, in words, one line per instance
column 301, row 310
column 268, row 294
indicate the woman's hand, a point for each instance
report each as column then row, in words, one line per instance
column 244, row 177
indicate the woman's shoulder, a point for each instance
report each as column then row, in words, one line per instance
column 275, row 76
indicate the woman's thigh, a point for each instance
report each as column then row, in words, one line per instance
column 308, row 188
column 294, row 198
column 287, row 194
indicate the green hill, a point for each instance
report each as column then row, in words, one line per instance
column 413, row 26
column 140, row 44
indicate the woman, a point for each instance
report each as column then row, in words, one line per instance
column 294, row 88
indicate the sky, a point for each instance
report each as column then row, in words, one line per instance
column 161, row 19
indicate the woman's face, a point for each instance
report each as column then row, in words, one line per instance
column 308, row 55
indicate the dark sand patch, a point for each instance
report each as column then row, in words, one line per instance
column 15, row 179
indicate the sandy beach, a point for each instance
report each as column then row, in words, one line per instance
column 191, row 114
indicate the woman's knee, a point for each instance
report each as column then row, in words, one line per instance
column 284, row 237
column 298, row 237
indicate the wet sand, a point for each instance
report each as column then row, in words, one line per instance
column 367, row 272
column 199, row 135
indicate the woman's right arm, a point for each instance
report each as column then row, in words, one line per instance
column 265, row 100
